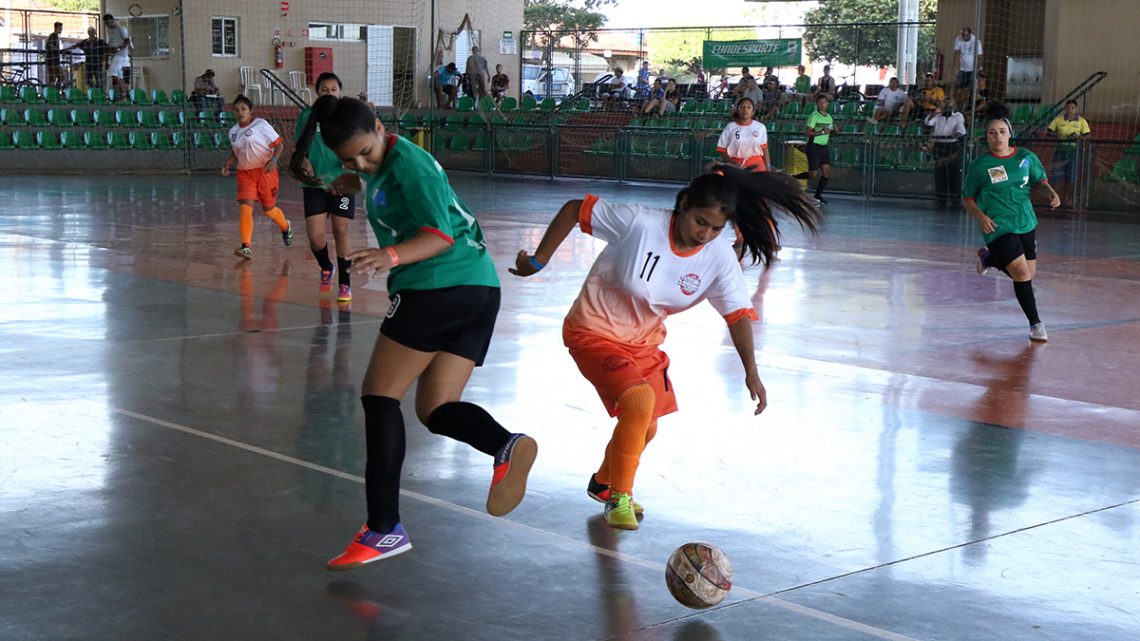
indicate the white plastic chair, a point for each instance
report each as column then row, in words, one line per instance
column 297, row 84
column 268, row 87
column 250, row 84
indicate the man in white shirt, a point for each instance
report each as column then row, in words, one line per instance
column 892, row 99
column 119, row 47
column 968, row 50
column 947, row 128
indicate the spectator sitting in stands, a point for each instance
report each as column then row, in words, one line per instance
column 769, row 74
column 983, row 97
column 446, row 86
column 748, row 89
column 656, row 98
column 206, row 94
column 740, row 87
column 892, row 100
column 672, row 102
column 826, row 84
column 617, row 89
column 499, row 84
column 930, row 97
column 773, row 100
column 803, row 82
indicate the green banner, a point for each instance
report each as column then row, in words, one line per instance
column 785, row 52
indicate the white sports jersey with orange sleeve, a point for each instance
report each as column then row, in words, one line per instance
column 640, row 278
column 745, row 144
column 253, row 145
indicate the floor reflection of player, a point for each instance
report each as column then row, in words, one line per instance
column 619, row 607
column 258, row 363
column 383, row 622
column 330, row 398
column 987, row 473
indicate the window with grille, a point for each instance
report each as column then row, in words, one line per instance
column 346, row 32
column 224, row 38
column 150, row 36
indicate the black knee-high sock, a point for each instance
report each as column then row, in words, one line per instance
column 820, row 185
column 384, row 433
column 342, row 265
column 322, row 256
column 1028, row 302
column 469, row 424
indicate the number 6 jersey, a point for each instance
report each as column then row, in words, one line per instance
column 640, row 278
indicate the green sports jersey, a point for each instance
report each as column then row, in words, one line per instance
column 326, row 165
column 411, row 195
column 1000, row 188
column 818, row 119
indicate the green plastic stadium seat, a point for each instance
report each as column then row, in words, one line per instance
column 140, row 97
column 454, row 122
column 548, row 104
column 170, row 118
column 82, row 118
column 119, row 140
column 480, row 143
column 35, row 118
column 222, row 139
column 95, row 140
column 6, row 142
column 177, row 97
column 48, row 140
column 25, row 139
column 53, row 96
column 124, row 118
column 11, row 117
column 76, row 96
column 97, row 96
column 8, row 94
column 458, row 143
column 140, row 140
column 203, row 140
column 72, row 140
column 147, row 119
column 465, row 103
column 59, row 117
column 508, row 104
column 486, row 104
column 158, row 97
column 1125, row 170
column 226, row 119
column 29, row 95
column 528, row 104
column 105, row 118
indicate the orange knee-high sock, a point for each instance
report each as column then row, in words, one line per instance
column 246, row 224
column 603, row 474
column 278, row 216
column 628, row 441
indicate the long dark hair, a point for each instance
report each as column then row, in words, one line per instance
column 327, row 75
column 340, row 119
column 750, row 199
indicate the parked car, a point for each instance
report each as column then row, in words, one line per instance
column 538, row 80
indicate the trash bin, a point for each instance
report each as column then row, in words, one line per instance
column 422, row 137
column 795, row 160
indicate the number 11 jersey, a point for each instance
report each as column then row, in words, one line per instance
column 640, row 277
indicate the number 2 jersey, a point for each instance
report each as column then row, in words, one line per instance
column 640, row 278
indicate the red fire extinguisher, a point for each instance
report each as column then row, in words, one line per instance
column 938, row 58
column 278, row 54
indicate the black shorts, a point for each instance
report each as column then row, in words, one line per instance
column 457, row 320
column 817, row 155
column 1008, row 248
column 319, row 201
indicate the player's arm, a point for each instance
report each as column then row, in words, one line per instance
column 741, row 333
column 560, row 227
column 231, row 160
column 1045, row 190
column 421, row 247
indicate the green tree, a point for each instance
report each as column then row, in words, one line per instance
column 551, row 20
column 87, row 6
column 866, row 45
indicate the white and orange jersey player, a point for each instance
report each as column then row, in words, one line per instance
column 255, row 147
column 744, row 141
column 656, row 263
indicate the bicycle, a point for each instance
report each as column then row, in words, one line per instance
column 16, row 75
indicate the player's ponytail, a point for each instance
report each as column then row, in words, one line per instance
column 340, row 119
column 997, row 111
column 750, row 199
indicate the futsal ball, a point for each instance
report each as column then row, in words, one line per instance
column 699, row 575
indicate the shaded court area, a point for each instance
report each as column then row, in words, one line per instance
column 181, row 440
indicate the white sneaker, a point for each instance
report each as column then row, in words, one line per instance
column 1037, row 333
column 982, row 269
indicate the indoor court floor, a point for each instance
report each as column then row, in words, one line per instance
column 181, row 439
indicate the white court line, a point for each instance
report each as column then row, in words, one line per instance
column 750, row 595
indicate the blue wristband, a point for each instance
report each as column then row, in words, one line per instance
column 537, row 265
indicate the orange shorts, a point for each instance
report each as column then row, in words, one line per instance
column 613, row 367
column 258, row 184
column 752, row 161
